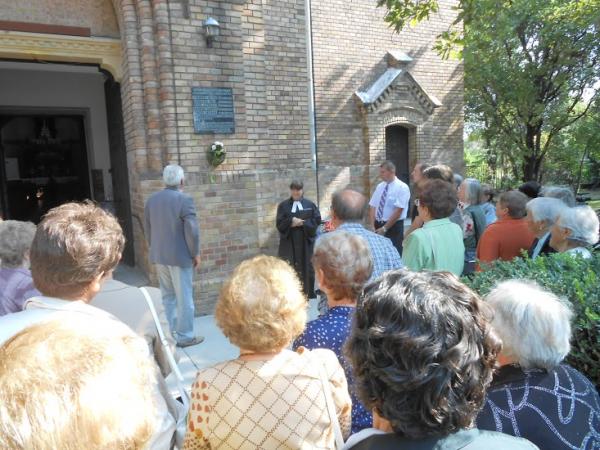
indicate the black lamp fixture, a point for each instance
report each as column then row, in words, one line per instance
column 211, row 30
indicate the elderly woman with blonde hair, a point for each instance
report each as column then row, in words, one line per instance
column 15, row 277
column 575, row 229
column 269, row 397
column 534, row 395
column 343, row 264
column 76, row 383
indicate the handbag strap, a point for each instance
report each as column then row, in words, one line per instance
column 335, row 423
column 167, row 350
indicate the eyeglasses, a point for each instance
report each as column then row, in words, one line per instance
column 417, row 202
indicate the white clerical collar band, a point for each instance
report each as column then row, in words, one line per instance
column 297, row 206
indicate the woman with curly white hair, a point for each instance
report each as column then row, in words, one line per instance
column 15, row 277
column 535, row 395
column 575, row 229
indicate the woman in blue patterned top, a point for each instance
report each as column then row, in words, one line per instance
column 343, row 265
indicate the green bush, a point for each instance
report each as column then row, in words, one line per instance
column 569, row 277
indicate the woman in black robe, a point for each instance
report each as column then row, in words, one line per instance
column 297, row 222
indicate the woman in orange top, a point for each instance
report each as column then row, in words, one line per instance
column 509, row 236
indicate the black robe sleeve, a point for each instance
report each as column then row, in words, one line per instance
column 283, row 221
column 311, row 225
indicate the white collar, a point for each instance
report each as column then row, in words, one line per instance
column 297, row 206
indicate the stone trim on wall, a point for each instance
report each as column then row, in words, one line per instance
column 397, row 98
column 106, row 52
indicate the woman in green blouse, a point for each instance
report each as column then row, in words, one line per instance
column 438, row 245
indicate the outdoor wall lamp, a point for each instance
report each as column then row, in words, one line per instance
column 210, row 29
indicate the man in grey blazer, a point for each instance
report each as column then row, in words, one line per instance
column 172, row 233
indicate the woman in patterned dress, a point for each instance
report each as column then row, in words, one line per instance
column 269, row 397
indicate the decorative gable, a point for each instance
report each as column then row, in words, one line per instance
column 397, row 79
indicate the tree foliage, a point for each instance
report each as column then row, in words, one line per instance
column 532, row 68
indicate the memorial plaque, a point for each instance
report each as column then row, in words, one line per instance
column 213, row 110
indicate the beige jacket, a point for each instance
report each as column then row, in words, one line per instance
column 127, row 303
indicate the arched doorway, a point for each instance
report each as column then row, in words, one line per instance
column 397, row 150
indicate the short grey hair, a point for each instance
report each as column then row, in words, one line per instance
column 561, row 193
column 346, row 262
column 15, row 241
column 173, row 175
column 534, row 324
column 388, row 165
column 515, row 202
column 545, row 209
column 472, row 191
column 583, row 223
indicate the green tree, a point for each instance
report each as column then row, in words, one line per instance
column 574, row 157
column 530, row 66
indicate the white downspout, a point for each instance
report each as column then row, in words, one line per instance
column 311, row 94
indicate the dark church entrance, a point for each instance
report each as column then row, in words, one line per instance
column 396, row 150
column 45, row 163
column 61, row 140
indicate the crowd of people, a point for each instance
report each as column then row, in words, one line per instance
column 403, row 355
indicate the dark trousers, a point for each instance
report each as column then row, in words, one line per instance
column 395, row 234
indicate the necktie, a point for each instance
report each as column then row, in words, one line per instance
column 379, row 216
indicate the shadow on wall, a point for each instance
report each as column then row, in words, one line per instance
column 452, row 113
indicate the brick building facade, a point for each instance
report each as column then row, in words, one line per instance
column 374, row 93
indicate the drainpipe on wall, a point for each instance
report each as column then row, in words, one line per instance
column 312, row 118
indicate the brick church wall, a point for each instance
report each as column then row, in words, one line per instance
column 262, row 56
column 350, row 42
column 97, row 15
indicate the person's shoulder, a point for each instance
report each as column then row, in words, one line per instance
column 575, row 377
column 381, row 240
column 455, row 228
column 401, row 184
column 222, row 372
column 11, row 324
column 417, row 235
column 152, row 198
column 314, row 329
column 375, row 441
column 323, row 356
column 494, row 440
column 495, row 227
column 380, row 185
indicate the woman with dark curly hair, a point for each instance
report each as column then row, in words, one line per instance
column 423, row 355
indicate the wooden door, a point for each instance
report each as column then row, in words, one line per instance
column 396, row 150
